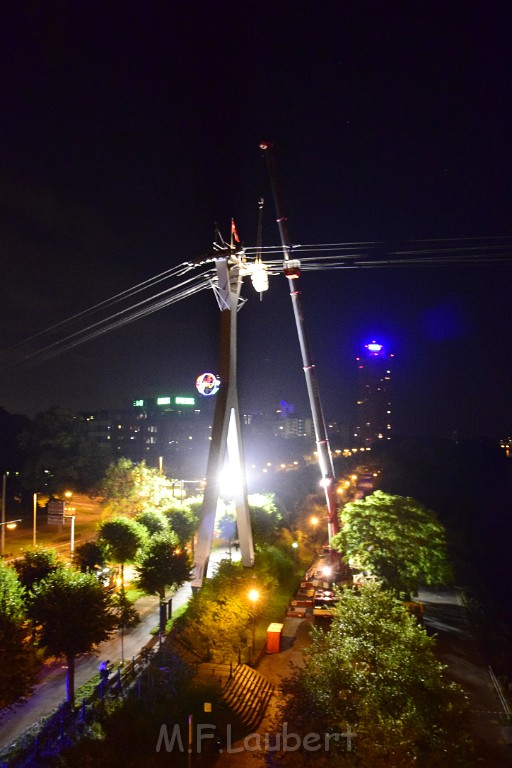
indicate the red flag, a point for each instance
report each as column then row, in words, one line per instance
column 234, row 233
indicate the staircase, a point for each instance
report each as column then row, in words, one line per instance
column 247, row 695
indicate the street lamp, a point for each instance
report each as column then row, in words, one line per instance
column 254, row 597
column 4, row 490
column 10, row 525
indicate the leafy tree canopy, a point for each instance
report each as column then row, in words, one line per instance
column 73, row 610
column 266, row 517
column 12, row 593
column 218, row 616
column 376, row 672
column 37, row 563
column 226, row 524
column 17, row 659
column 183, row 522
column 90, row 556
column 153, row 520
column 395, row 538
column 73, row 613
column 123, row 538
column 162, row 565
column 129, row 488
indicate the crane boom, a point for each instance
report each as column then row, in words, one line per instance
column 291, row 268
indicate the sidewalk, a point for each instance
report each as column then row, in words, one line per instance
column 275, row 667
column 50, row 690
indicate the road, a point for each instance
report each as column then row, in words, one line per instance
column 446, row 616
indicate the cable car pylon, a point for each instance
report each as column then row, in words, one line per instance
column 226, row 439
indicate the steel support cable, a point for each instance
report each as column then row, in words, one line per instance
column 39, row 357
column 308, row 263
column 118, row 297
column 141, row 309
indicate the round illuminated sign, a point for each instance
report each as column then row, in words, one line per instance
column 207, row 384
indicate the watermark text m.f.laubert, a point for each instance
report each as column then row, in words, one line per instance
column 283, row 740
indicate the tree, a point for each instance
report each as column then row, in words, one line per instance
column 129, row 488
column 153, row 520
column 266, row 518
column 73, row 614
column 60, row 454
column 395, row 538
column 36, row 564
column 182, row 521
column 374, row 673
column 162, row 566
column 90, row 556
column 17, row 658
column 218, row 615
column 122, row 538
column 226, row 524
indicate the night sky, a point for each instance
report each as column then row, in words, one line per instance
column 128, row 129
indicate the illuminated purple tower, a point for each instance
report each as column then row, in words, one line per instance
column 373, row 415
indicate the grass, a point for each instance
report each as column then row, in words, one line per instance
column 175, row 615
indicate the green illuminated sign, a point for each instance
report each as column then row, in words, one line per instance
column 138, row 403
column 163, row 401
column 185, row 400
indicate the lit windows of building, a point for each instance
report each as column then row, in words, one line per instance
column 373, row 395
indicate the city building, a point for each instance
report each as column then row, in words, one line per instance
column 373, row 416
column 170, row 430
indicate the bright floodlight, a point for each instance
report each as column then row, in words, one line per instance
column 253, row 595
column 230, row 482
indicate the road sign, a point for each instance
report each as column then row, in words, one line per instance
column 56, row 512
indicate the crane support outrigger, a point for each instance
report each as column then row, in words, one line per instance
column 291, row 269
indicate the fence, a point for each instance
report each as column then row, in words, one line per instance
column 47, row 738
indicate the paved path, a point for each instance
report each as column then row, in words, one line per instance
column 50, row 691
column 275, row 667
column 447, row 617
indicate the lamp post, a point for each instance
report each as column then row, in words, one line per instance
column 70, row 516
column 2, row 534
column 7, row 524
column 72, row 538
column 34, row 527
column 253, row 597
